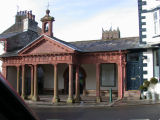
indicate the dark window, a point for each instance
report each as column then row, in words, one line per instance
column 157, row 58
column 132, row 57
column 108, row 75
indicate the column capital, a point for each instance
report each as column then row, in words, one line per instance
column 98, row 63
column 34, row 64
column 55, row 64
column 3, row 65
column 30, row 65
column 18, row 66
column 70, row 63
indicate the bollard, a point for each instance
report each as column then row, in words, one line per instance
column 110, row 95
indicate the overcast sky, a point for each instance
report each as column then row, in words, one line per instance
column 77, row 19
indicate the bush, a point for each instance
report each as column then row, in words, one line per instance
column 146, row 83
column 142, row 88
column 153, row 80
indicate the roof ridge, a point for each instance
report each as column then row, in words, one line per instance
column 125, row 38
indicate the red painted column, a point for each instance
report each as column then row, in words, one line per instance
column 56, row 97
column 77, row 84
column 70, row 91
column 32, row 82
column 124, row 77
column 98, row 97
column 4, row 71
column 18, row 74
column 23, row 82
column 35, row 95
column 120, row 80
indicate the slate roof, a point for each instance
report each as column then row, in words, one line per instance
column 129, row 43
column 10, row 54
column 56, row 39
column 20, row 40
column 72, row 46
column 18, row 27
column 16, row 41
column 109, row 45
column 4, row 36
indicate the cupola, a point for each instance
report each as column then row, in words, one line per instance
column 47, row 21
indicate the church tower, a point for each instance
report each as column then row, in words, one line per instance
column 47, row 22
column 110, row 34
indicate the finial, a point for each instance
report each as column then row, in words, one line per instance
column 47, row 11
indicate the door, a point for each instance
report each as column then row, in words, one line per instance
column 133, row 77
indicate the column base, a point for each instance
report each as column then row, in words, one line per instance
column 35, row 98
column 98, row 99
column 30, row 97
column 84, row 92
column 120, row 98
column 77, row 99
column 23, row 96
column 70, row 100
column 56, row 100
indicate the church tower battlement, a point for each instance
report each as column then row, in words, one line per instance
column 110, row 34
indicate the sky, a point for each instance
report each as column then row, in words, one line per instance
column 77, row 20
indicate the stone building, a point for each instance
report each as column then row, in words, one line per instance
column 37, row 63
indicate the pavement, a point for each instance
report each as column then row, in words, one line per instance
column 88, row 101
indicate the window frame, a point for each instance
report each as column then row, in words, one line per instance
column 115, row 76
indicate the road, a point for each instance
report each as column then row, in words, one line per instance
column 141, row 112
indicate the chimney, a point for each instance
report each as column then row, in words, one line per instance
column 29, row 22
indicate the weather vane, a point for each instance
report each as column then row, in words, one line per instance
column 17, row 8
column 48, row 5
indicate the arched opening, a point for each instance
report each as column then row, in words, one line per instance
column 46, row 27
column 82, row 78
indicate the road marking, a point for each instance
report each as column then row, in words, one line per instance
column 54, row 119
column 139, row 119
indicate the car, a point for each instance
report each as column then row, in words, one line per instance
column 12, row 106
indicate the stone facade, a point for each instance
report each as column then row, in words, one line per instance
column 110, row 34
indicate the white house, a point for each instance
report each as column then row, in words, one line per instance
column 149, row 32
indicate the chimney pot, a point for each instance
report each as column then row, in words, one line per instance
column 27, row 14
column 33, row 17
column 22, row 12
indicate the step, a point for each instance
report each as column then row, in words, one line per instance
column 132, row 94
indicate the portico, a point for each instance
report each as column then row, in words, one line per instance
column 64, row 60
column 71, row 59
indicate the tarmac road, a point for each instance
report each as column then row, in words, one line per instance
column 138, row 112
